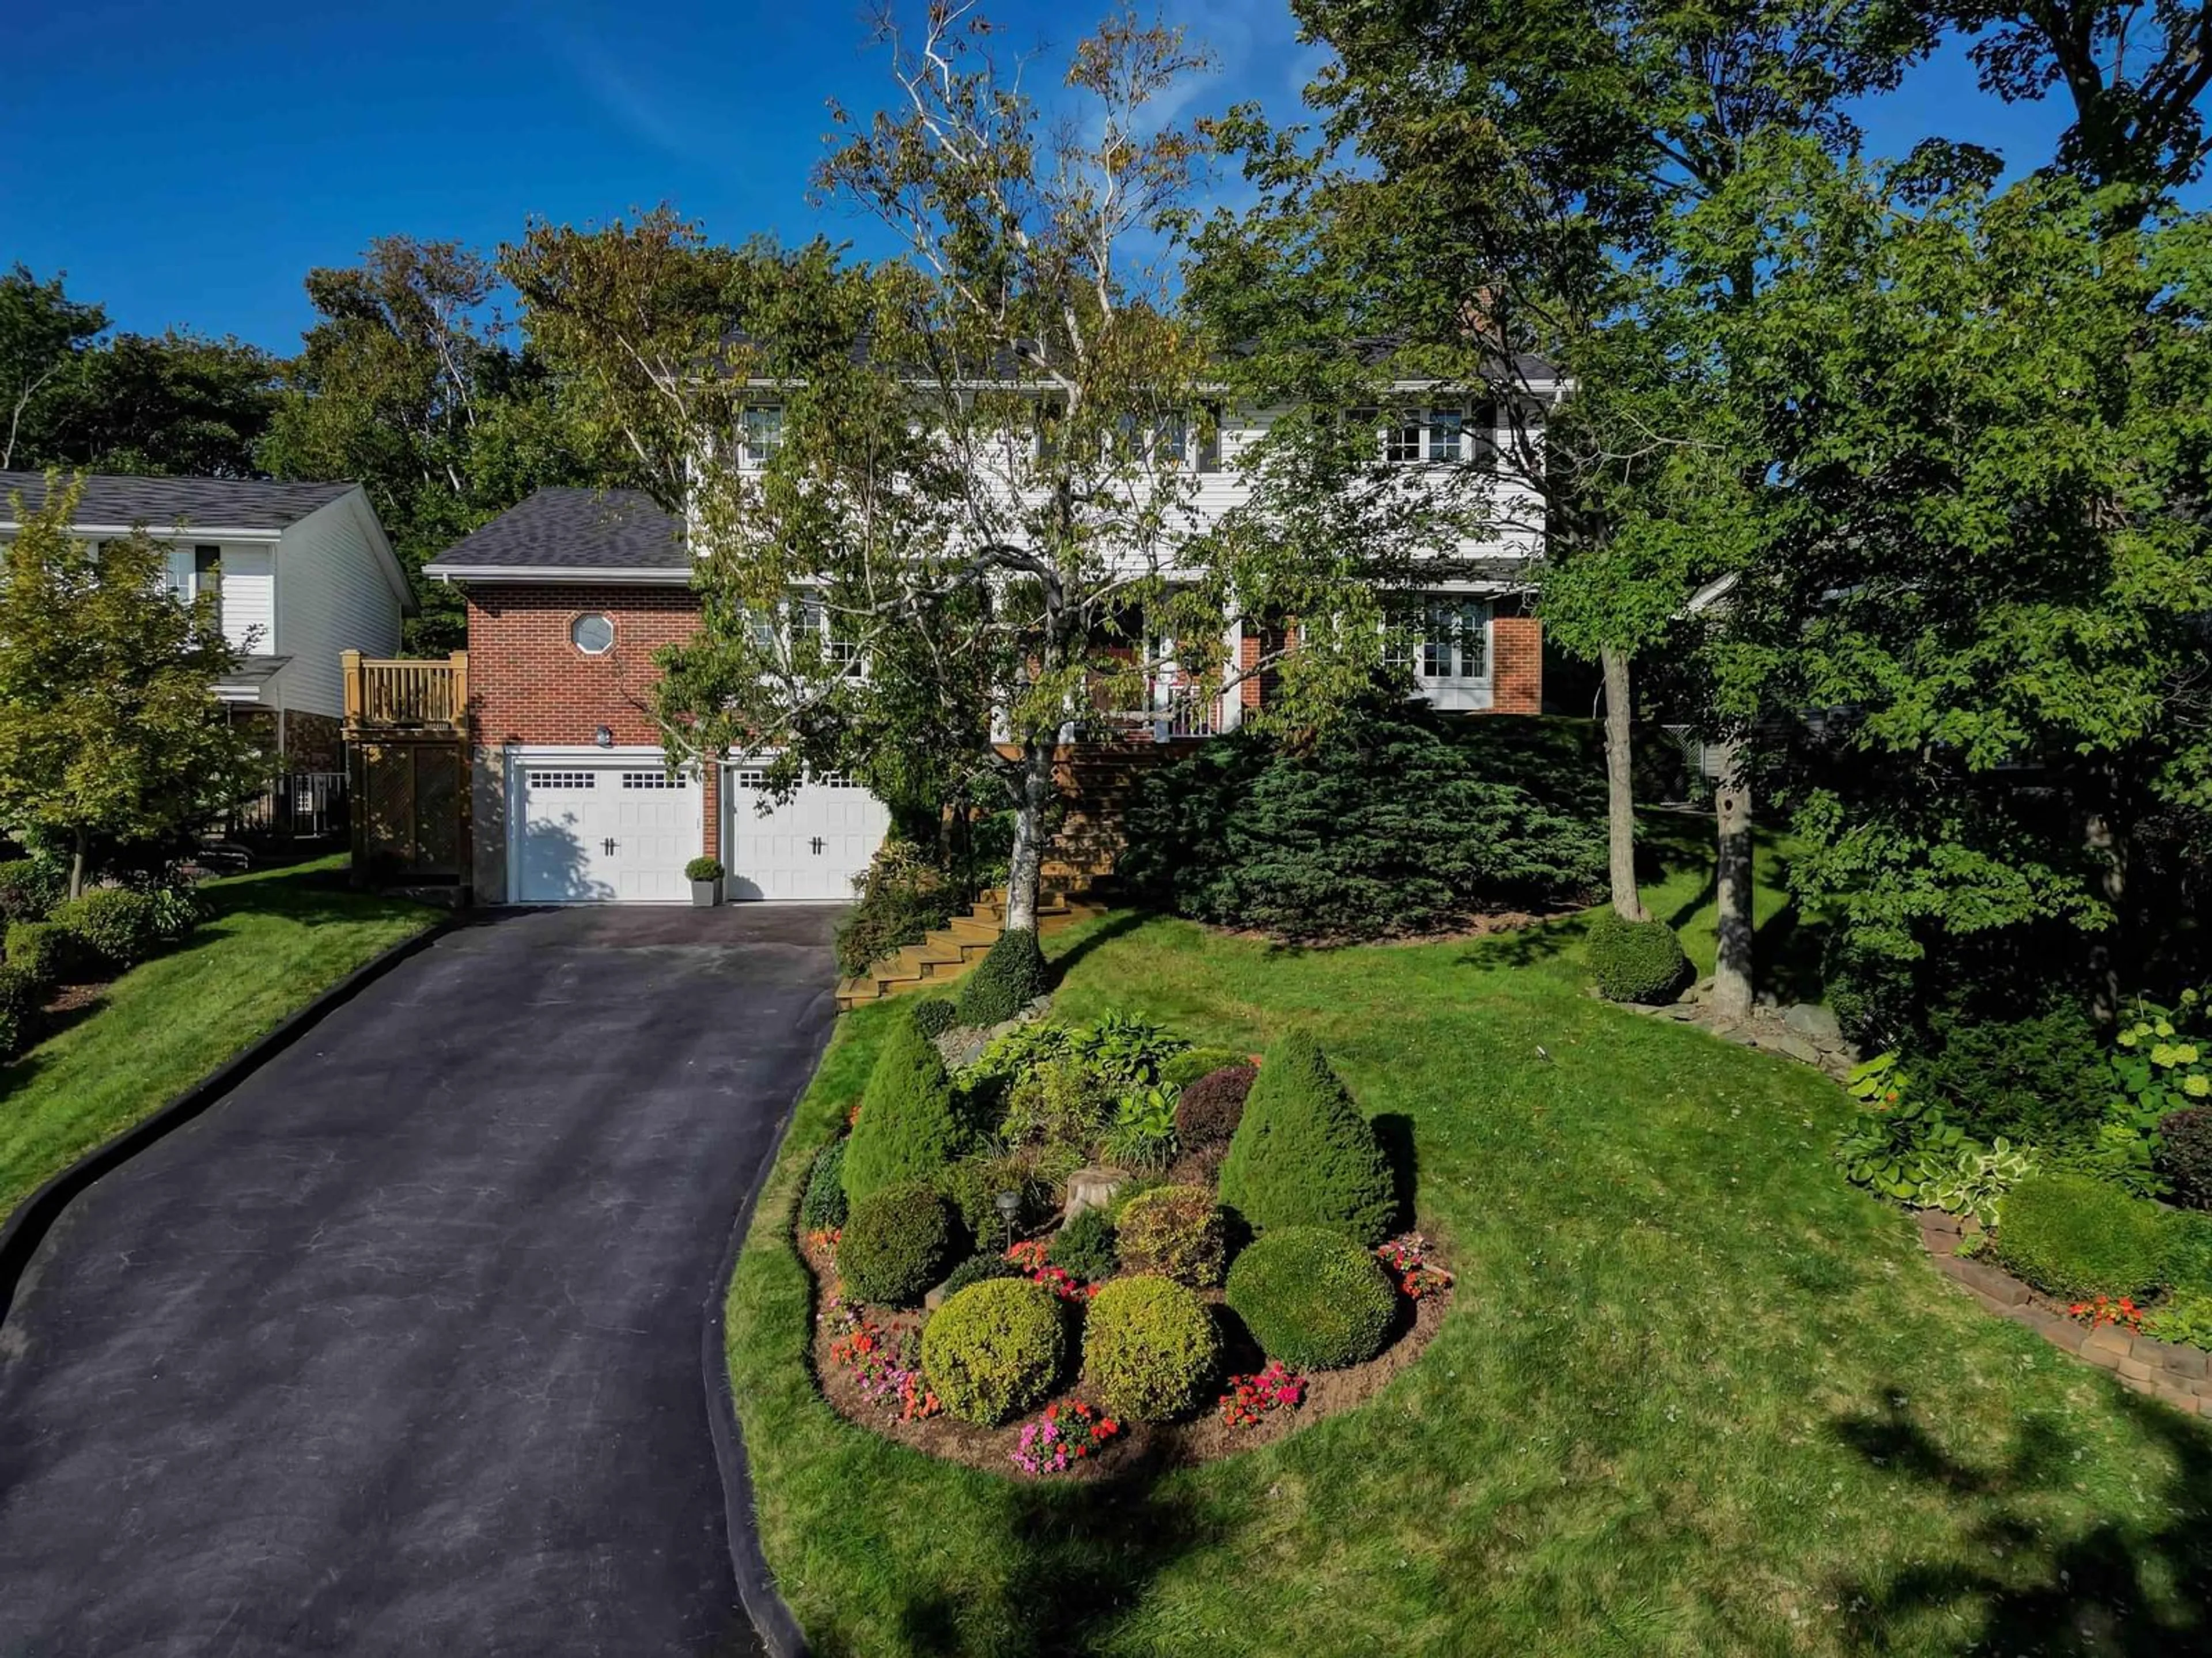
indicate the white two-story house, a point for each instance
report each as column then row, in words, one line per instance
column 571, row 592
column 301, row 572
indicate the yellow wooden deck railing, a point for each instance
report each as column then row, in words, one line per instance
column 389, row 695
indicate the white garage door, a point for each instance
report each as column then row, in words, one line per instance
column 602, row 834
column 808, row 846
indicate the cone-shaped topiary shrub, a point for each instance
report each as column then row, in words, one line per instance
column 895, row 1243
column 1007, row 980
column 1635, row 961
column 994, row 1349
column 908, row 1129
column 1312, row 1298
column 1150, row 1349
column 1303, row 1155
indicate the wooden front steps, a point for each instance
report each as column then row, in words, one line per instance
column 950, row 951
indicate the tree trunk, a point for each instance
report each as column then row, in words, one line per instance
column 1619, row 788
column 76, row 865
column 2106, row 841
column 1025, row 868
column 1732, row 968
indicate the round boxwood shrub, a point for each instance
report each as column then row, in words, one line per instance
column 1010, row 976
column 1175, row 1231
column 895, row 1243
column 1312, row 1298
column 1303, row 1155
column 824, row 1206
column 908, row 1129
column 41, row 949
column 117, row 926
column 934, row 1014
column 1085, row 1246
column 1636, row 961
column 2075, row 1235
column 995, row 1349
column 1150, row 1349
column 1209, row 1109
column 2185, row 1155
column 1188, row 1066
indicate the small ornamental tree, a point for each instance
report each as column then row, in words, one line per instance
column 1303, row 1155
column 908, row 1129
column 109, row 726
column 1011, row 974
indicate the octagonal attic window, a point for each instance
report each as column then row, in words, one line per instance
column 594, row 635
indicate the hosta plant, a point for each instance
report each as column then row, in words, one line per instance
column 1899, row 1140
column 2185, row 1318
column 1143, row 1134
column 1975, row 1182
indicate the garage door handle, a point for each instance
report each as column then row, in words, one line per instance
column 609, row 846
column 817, row 843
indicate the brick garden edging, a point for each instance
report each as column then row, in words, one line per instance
column 2182, row 1376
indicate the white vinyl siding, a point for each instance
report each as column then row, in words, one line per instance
column 330, row 595
column 249, row 598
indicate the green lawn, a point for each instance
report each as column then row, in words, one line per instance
column 1695, row 1395
column 278, row 940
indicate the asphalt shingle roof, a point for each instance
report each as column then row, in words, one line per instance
column 164, row 503
column 570, row 529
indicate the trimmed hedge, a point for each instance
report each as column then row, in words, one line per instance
column 824, row 1207
column 1150, row 1349
column 908, row 1128
column 1312, row 1298
column 1010, row 976
column 934, row 1014
column 2184, row 1155
column 117, row 926
column 994, row 1350
column 1635, row 961
column 41, row 948
column 1175, row 1231
column 895, row 1243
column 19, row 1007
column 1208, row 1111
column 1303, row 1155
column 1086, row 1246
column 2075, row 1235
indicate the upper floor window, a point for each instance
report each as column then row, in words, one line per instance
column 1440, row 436
column 760, row 434
column 805, row 615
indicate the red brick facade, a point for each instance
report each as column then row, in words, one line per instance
column 1516, row 665
column 529, row 683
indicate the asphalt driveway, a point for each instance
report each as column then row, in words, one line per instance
column 397, row 1349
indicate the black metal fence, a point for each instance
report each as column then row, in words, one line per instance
column 297, row 805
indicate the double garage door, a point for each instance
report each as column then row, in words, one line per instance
column 620, row 831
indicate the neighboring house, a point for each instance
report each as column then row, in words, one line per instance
column 571, row 592
column 300, row 572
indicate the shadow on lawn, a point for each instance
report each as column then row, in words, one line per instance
column 2094, row 1590
column 1088, row 1551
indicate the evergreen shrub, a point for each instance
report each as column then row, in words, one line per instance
column 1303, row 1155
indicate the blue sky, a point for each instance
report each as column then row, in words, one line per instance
column 188, row 164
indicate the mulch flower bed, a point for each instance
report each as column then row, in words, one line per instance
column 866, row 1363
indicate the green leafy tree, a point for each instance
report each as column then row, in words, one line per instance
column 409, row 382
column 109, row 726
column 1977, row 539
column 43, row 334
column 174, row 404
